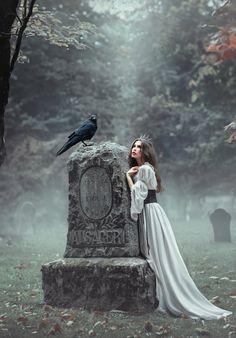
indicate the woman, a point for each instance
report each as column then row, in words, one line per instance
column 175, row 288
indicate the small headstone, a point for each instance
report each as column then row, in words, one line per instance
column 101, row 268
column 220, row 220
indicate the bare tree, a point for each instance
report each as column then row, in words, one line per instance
column 10, row 11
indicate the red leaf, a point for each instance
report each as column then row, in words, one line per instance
column 23, row 320
column 3, row 317
column 202, row 332
column 43, row 323
column 226, row 55
column 54, row 329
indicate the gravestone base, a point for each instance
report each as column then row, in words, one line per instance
column 104, row 284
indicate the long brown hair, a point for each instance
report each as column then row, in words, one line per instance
column 149, row 155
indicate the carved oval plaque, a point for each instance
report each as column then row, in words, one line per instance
column 96, row 193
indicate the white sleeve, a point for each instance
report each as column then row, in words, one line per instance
column 139, row 191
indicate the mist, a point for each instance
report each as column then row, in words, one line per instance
column 142, row 67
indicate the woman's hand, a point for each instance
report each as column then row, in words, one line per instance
column 132, row 171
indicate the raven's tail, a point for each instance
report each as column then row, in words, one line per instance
column 63, row 149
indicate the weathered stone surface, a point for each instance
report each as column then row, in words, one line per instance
column 99, row 204
column 126, row 284
column 100, row 226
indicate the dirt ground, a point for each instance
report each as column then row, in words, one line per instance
column 23, row 313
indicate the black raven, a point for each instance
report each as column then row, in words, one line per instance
column 81, row 134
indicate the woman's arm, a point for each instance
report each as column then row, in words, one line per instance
column 131, row 172
column 138, row 190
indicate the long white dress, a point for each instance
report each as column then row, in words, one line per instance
column 175, row 289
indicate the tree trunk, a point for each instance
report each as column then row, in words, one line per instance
column 7, row 17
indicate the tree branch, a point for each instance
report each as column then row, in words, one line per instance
column 20, row 35
column 25, row 8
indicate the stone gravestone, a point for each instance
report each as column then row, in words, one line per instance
column 220, row 220
column 101, row 268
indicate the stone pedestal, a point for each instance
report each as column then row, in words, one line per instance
column 101, row 268
column 105, row 284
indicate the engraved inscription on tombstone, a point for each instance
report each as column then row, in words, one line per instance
column 95, row 193
column 90, row 238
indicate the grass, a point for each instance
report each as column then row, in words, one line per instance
column 23, row 313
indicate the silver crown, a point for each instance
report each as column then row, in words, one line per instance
column 146, row 138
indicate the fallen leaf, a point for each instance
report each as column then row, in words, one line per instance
column 206, row 286
column 68, row 316
column 184, row 316
column 54, row 329
column 3, row 317
column 80, row 331
column 113, row 328
column 47, row 308
column 97, row 323
column 224, row 278
column 43, row 323
column 98, row 313
column 148, row 326
column 213, row 277
column 70, row 322
column 22, row 266
column 92, row 333
column 232, row 293
column 215, row 300
column 104, row 322
column 23, row 320
column 202, row 332
column 163, row 330
column 34, row 293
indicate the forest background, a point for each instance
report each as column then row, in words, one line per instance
column 142, row 67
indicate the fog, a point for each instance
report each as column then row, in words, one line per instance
column 140, row 74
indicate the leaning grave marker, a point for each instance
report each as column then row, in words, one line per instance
column 101, row 268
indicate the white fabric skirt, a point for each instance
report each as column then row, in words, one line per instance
column 175, row 289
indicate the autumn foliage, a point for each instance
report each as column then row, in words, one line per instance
column 223, row 42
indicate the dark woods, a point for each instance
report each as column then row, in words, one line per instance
column 142, row 68
column 8, row 54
